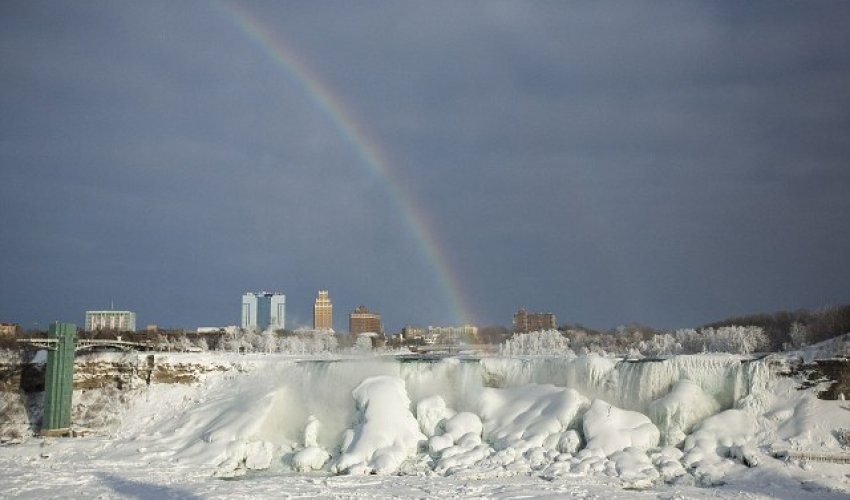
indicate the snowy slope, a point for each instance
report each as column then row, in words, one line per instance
column 460, row 427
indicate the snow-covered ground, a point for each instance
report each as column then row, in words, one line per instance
column 276, row 426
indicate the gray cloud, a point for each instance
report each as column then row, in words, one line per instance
column 627, row 161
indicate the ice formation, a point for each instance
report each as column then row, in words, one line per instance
column 386, row 431
column 678, row 411
column 686, row 418
column 611, row 429
column 530, row 416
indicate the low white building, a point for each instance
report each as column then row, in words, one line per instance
column 210, row 329
column 450, row 334
column 120, row 321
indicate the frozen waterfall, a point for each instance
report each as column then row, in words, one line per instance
column 376, row 414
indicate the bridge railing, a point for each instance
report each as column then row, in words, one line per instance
column 456, row 348
column 43, row 343
column 84, row 344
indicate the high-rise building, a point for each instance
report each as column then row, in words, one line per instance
column 323, row 312
column 362, row 321
column 120, row 321
column 525, row 321
column 263, row 310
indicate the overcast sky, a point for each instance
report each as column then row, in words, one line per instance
column 669, row 163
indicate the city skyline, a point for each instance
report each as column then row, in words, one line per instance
column 114, row 319
column 444, row 163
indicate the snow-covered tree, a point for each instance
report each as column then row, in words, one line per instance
column 363, row 343
column 201, row 343
column 731, row 339
column 799, row 334
column 323, row 341
column 162, row 343
column 690, row 340
column 232, row 341
column 291, row 344
column 660, row 344
column 268, row 341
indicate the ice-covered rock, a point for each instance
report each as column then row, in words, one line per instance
column 611, row 429
column 668, row 461
column 312, row 456
column 746, row 454
column 311, row 432
column 676, row 413
column 461, row 424
column 439, row 443
column 461, row 457
column 538, row 457
column 234, row 461
column 589, row 461
column 524, row 417
column 310, row 459
column 386, row 432
column 633, row 465
column 242, row 456
column 716, row 436
column 430, row 412
column 470, row 440
column 258, row 455
column 569, row 442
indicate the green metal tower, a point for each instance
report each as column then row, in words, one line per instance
column 59, row 382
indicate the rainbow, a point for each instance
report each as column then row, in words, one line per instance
column 367, row 148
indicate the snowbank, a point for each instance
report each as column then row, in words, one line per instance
column 718, row 436
column 546, row 417
column 611, row 429
column 530, row 416
column 677, row 412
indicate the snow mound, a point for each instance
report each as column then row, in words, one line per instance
column 683, row 407
column 311, row 432
column 530, row 416
column 460, row 446
column 491, row 418
column 611, row 429
column 634, row 467
column 386, row 432
column 310, row 459
column 258, row 455
column 719, row 436
column 430, row 412
column 462, row 424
